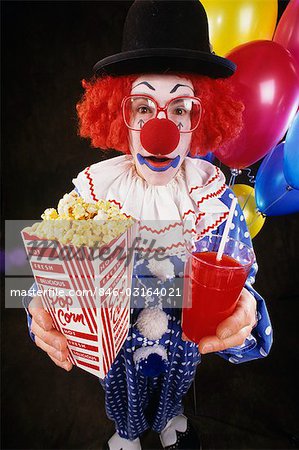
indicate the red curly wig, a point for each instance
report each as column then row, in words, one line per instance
column 100, row 115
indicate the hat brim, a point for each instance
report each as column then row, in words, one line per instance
column 163, row 60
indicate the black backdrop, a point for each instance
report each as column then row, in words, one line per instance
column 48, row 47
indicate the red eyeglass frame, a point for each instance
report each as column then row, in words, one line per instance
column 159, row 108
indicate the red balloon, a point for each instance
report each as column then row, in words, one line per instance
column 287, row 31
column 267, row 83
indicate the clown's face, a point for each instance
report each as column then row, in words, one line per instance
column 160, row 115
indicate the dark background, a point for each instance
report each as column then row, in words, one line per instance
column 48, row 47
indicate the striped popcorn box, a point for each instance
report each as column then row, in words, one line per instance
column 87, row 293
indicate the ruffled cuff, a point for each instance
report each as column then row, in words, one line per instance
column 259, row 342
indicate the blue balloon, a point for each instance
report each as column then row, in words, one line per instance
column 291, row 155
column 273, row 195
column 209, row 157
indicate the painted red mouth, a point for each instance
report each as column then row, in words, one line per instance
column 158, row 162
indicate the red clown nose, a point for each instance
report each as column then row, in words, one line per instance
column 159, row 136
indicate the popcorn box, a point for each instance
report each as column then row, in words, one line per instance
column 87, row 293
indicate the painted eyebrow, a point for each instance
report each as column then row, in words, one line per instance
column 174, row 89
column 146, row 84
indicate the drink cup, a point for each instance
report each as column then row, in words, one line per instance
column 211, row 287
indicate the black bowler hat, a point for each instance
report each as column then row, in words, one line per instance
column 166, row 36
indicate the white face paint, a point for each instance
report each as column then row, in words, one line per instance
column 159, row 170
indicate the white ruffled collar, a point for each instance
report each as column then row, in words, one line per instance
column 189, row 203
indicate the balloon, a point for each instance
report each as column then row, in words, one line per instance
column 291, row 155
column 287, row 31
column 253, row 217
column 267, row 83
column 271, row 188
column 234, row 22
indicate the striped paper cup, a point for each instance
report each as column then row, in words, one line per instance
column 87, row 293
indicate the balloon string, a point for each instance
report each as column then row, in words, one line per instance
column 250, row 177
column 257, row 217
column 234, row 174
column 246, row 201
column 264, row 162
column 232, row 180
column 288, row 189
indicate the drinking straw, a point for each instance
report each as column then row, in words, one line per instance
column 226, row 229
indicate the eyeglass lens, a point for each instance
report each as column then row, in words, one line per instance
column 184, row 112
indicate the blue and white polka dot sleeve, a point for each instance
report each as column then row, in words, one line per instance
column 259, row 342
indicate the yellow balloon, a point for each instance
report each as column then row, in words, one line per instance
column 234, row 22
column 253, row 217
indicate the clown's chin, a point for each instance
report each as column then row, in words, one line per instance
column 157, row 170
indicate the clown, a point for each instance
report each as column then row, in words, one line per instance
column 163, row 101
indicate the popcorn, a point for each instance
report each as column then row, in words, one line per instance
column 49, row 214
column 79, row 223
column 65, row 273
column 79, row 212
column 101, row 215
column 66, row 203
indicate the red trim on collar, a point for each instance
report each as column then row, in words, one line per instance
column 162, row 230
column 209, row 182
column 188, row 212
column 211, row 227
column 200, row 215
column 120, row 207
column 160, row 249
column 91, row 185
column 212, row 194
column 92, row 193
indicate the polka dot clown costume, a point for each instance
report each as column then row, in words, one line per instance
column 164, row 101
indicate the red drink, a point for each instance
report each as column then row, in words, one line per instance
column 216, row 286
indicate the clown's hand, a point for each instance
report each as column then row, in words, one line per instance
column 233, row 331
column 46, row 337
